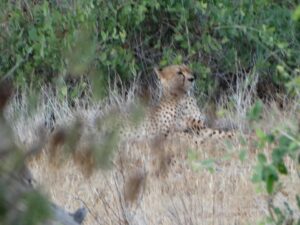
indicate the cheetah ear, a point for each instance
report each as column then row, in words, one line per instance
column 184, row 65
column 158, row 73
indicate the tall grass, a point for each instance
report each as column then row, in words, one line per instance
column 170, row 183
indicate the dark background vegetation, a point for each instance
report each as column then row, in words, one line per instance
column 57, row 41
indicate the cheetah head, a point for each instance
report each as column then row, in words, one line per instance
column 175, row 79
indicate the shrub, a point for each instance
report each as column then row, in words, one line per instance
column 42, row 40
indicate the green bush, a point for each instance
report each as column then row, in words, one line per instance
column 42, row 40
column 284, row 141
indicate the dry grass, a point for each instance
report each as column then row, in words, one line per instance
column 179, row 195
column 152, row 183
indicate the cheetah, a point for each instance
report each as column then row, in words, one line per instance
column 177, row 110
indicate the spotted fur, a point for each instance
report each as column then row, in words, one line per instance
column 176, row 112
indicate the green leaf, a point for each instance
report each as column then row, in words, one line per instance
column 270, row 185
column 278, row 154
column 284, row 141
column 37, row 209
column 282, row 168
column 278, row 212
column 298, row 200
column 263, row 137
column 178, row 59
column 293, row 147
column 123, row 35
column 260, row 134
column 64, row 91
column 178, row 37
column 208, row 164
column 32, row 33
column 270, row 138
column 257, row 175
column 296, row 13
column 261, row 158
column 192, row 155
column 270, row 176
column 256, row 111
column 243, row 155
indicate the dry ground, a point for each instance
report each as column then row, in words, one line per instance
column 179, row 195
column 163, row 183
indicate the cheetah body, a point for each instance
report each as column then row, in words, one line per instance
column 176, row 112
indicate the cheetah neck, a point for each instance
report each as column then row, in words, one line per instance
column 173, row 96
column 168, row 101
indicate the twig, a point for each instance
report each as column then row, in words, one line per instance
column 290, row 137
column 12, row 70
column 121, row 202
column 117, row 216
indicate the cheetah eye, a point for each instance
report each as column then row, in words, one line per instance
column 180, row 73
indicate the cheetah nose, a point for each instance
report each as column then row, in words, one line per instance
column 191, row 79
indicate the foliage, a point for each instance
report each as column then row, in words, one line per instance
column 42, row 40
column 20, row 203
column 285, row 144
